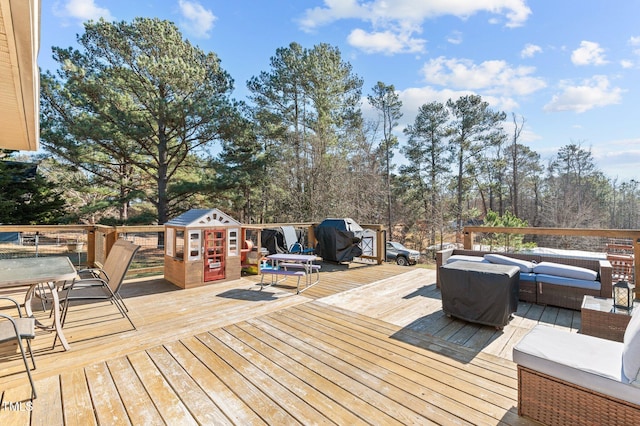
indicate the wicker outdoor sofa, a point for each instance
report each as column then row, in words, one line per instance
column 545, row 289
column 568, row 378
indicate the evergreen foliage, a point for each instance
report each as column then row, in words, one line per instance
column 142, row 127
column 135, row 107
column 27, row 198
column 504, row 242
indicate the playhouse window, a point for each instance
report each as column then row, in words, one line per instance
column 194, row 245
column 179, row 245
column 233, row 242
column 168, row 244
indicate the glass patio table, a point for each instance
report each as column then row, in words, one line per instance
column 35, row 271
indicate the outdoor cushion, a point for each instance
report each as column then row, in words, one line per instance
column 527, row 276
column 569, row 282
column 568, row 271
column 524, row 265
column 467, row 258
column 586, row 361
column 631, row 350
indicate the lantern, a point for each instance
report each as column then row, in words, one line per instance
column 623, row 295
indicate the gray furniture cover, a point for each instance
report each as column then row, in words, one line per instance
column 483, row 293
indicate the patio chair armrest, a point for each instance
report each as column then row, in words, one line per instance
column 5, row 337
column 15, row 302
column 606, row 278
column 88, row 282
column 89, row 271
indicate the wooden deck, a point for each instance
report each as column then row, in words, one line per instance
column 368, row 345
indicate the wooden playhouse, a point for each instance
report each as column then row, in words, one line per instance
column 202, row 247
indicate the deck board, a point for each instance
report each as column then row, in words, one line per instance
column 261, row 355
column 78, row 408
column 367, row 345
column 170, row 406
column 197, row 402
column 325, row 378
column 111, row 408
column 201, row 366
column 140, row 407
column 339, row 367
column 403, row 377
column 47, row 411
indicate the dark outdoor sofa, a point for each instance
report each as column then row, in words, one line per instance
column 546, row 288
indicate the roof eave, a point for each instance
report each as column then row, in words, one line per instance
column 20, row 75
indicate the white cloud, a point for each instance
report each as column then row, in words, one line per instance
column 589, row 53
column 199, row 21
column 405, row 17
column 591, row 93
column 84, row 10
column 516, row 11
column 635, row 43
column 625, row 63
column 334, row 11
column 618, row 158
column 385, row 42
column 492, row 77
column 455, row 37
column 530, row 50
column 414, row 97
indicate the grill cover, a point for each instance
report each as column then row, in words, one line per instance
column 335, row 244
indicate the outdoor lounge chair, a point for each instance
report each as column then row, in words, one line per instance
column 19, row 328
column 102, row 283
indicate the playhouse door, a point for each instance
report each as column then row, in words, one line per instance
column 214, row 254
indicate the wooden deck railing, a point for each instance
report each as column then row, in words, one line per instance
column 85, row 244
column 631, row 235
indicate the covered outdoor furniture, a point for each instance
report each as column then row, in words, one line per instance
column 480, row 292
column 545, row 279
column 338, row 240
column 12, row 328
column 570, row 378
column 103, row 283
column 284, row 239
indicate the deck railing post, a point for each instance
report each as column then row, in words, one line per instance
column 109, row 240
column 468, row 240
column 91, row 246
column 636, row 262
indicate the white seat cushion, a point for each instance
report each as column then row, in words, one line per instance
column 467, row 258
column 568, row 271
column 524, row 265
column 586, row 361
column 631, row 350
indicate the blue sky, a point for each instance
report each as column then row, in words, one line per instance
column 571, row 68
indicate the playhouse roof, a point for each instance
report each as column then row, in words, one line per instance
column 203, row 217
